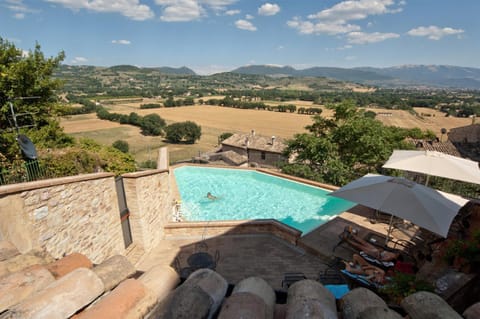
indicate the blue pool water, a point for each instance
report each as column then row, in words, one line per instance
column 245, row 194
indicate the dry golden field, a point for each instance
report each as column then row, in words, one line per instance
column 216, row 120
column 431, row 120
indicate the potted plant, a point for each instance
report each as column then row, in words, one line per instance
column 464, row 254
column 402, row 285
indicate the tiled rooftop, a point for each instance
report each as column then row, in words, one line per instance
column 257, row 142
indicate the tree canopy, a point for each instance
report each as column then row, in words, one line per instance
column 186, row 132
column 26, row 81
column 27, row 85
column 345, row 147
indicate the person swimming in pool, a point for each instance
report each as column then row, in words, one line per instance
column 211, row 197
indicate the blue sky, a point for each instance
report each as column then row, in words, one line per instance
column 211, row 36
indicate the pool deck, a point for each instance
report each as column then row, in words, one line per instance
column 267, row 256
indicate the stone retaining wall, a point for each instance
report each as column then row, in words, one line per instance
column 81, row 213
column 63, row 215
column 216, row 228
column 149, row 199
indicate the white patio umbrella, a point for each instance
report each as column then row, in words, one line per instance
column 435, row 163
column 428, row 208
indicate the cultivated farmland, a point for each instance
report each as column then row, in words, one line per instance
column 216, row 120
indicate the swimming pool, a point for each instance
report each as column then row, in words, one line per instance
column 248, row 194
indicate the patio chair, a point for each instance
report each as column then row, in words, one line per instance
column 373, row 240
column 290, row 278
column 335, row 274
column 355, row 281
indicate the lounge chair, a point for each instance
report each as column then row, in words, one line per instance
column 355, row 280
column 375, row 261
column 290, row 278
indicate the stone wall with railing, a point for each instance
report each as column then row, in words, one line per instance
column 81, row 213
column 63, row 215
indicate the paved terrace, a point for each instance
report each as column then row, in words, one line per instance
column 267, row 256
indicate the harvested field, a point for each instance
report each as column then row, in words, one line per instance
column 236, row 120
column 431, row 120
column 216, row 120
column 86, row 123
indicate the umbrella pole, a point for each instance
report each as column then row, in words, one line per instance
column 389, row 230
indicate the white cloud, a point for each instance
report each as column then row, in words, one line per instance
column 336, row 19
column 345, row 47
column 249, row 17
column 350, row 58
column 218, row 5
column 180, row 10
column 280, row 47
column 354, row 10
column 232, row 12
column 245, row 25
column 364, row 38
column 124, row 42
column 211, row 69
column 433, row 32
column 190, row 10
column 131, row 9
column 307, row 27
column 269, row 9
column 19, row 8
column 79, row 60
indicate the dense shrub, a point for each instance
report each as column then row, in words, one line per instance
column 187, row 132
column 152, row 124
column 150, row 106
column 222, row 137
column 121, row 145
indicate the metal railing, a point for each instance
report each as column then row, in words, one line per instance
column 28, row 171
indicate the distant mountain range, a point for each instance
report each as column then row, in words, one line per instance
column 442, row 76
column 164, row 69
column 407, row 76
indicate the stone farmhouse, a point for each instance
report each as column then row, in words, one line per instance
column 254, row 149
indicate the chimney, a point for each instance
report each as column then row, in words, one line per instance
column 273, row 139
column 253, row 132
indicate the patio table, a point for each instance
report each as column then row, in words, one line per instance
column 201, row 260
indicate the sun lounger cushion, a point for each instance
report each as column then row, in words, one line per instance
column 338, row 290
column 361, row 279
column 373, row 260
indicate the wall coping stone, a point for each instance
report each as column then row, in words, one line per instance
column 28, row 186
column 144, row 173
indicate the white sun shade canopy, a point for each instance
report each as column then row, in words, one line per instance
column 426, row 207
column 436, row 164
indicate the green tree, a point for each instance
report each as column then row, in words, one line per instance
column 27, row 83
column 153, row 124
column 135, row 119
column 31, row 75
column 343, row 148
column 187, row 132
column 121, row 145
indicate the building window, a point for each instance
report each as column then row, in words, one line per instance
column 263, row 155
